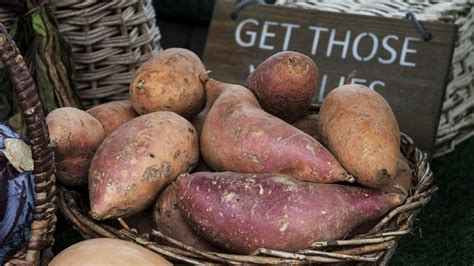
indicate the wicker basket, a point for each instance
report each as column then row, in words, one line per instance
column 109, row 40
column 38, row 247
column 377, row 245
column 457, row 117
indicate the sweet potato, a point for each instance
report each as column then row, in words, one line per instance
column 239, row 136
column 285, row 84
column 113, row 114
column 169, row 81
column 402, row 182
column 137, row 160
column 309, row 125
column 360, row 129
column 243, row 212
column 75, row 136
column 169, row 221
column 107, row 252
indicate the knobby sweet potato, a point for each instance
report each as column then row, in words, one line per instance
column 243, row 212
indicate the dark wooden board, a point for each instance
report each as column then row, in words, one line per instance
column 413, row 82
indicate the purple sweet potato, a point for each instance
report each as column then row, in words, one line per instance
column 285, row 84
column 168, row 220
column 360, row 129
column 243, row 212
column 239, row 136
column 136, row 161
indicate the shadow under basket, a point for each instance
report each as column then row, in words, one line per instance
column 376, row 245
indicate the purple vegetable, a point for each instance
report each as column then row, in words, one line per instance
column 16, row 192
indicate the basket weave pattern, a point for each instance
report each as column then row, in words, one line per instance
column 109, row 40
column 44, row 218
column 377, row 245
column 457, row 117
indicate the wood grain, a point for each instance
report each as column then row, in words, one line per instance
column 414, row 93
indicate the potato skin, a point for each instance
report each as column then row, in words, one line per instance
column 113, row 114
column 169, row 221
column 257, row 142
column 169, row 81
column 243, row 212
column 360, row 129
column 137, row 160
column 75, row 136
column 309, row 125
column 402, row 182
column 285, row 84
column 107, row 252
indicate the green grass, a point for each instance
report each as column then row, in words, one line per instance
column 444, row 230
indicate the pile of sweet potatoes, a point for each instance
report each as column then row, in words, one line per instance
column 235, row 167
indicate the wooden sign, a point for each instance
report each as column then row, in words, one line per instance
column 388, row 54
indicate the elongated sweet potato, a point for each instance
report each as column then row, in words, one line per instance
column 285, row 84
column 360, row 129
column 113, row 114
column 243, row 212
column 239, row 136
column 169, row 81
column 75, row 136
column 139, row 159
column 309, row 125
column 169, row 221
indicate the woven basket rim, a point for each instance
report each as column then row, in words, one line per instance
column 37, row 248
column 378, row 245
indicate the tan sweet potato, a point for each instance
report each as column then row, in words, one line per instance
column 169, row 221
column 402, row 182
column 107, row 252
column 113, row 114
column 243, row 212
column 360, row 129
column 169, row 81
column 309, row 125
column 285, row 84
column 239, row 136
column 136, row 161
column 75, row 136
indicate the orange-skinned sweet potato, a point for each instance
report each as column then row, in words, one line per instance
column 402, row 182
column 285, row 84
column 75, row 136
column 169, row 81
column 136, row 161
column 243, row 212
column 359, row 128
column 239, row 136
column 169, row 221
column 113, row 114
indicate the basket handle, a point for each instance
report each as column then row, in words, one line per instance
column 44, row 217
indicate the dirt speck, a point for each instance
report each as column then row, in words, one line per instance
column 154, row 172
